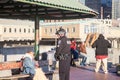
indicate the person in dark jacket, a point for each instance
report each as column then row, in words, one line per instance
column 63, row 54
column 101, row 52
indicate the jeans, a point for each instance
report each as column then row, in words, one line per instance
column 84, row 58
column 74, row 53
column 74, row 56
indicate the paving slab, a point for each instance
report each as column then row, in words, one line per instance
column 87, row 73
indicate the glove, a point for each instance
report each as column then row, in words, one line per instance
column 56, row 57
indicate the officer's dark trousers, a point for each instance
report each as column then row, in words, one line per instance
column 64, row 76
column 64, row 69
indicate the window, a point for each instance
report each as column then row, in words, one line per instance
column 20, row 30
column 86, row 29
column 50, row 30
column 73, row 29
column 10, row 30
column 5, row 29
column 15, row 30
column 109, row 22
column 45, row 30
column 56, row 29
column 102, row 21
column 106, row 22
column 93, row 28
column 24, row 30
column 67, row 30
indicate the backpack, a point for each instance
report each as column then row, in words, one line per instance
column 21, row 69
column 118, row 70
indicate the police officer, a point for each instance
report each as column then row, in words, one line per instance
column 63, row 54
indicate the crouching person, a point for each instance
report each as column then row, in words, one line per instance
column 29, row 65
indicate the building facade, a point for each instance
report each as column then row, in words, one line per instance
column 22, row 30
column 115, row 9
column 103, row 7
column 16, row 30
column 80, row 29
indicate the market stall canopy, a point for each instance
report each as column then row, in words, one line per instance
column 45, row 9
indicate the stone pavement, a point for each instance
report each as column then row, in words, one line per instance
column 87, row 73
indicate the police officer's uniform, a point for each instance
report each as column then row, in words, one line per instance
column 63, row 55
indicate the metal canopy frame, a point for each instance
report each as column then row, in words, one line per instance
column 43, row 9
column 29, row 8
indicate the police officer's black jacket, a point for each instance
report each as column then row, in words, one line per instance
column 63, row 46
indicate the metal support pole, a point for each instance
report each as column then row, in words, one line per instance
column 119, row 59
column 101, row 12
column 36, row 47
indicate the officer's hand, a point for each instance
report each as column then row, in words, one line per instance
column 56, row 57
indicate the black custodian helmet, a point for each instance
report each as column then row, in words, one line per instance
column 61, row 31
